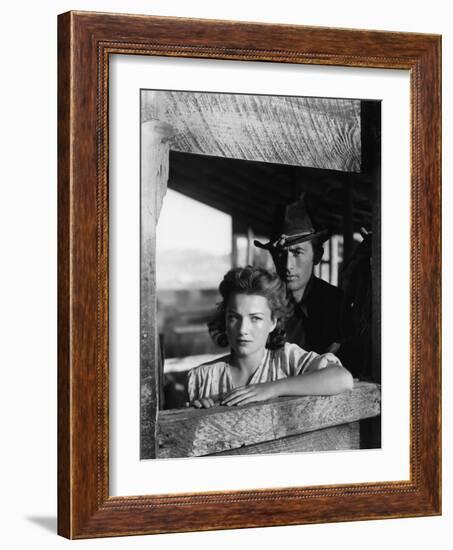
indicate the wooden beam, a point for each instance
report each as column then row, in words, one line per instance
column 298, row 131
column 198, row 432
column 337, row 438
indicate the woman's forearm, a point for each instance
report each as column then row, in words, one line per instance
column 328, row 381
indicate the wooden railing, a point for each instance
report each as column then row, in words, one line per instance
column 280, row 425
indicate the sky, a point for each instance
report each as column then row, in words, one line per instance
column 185, row 223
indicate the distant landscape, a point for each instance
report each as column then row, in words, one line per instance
column 190, row 269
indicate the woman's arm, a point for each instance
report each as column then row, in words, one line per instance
column 329, row 380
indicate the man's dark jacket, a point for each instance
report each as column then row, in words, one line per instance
column 316, row 321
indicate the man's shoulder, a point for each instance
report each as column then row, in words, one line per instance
column 319, row 286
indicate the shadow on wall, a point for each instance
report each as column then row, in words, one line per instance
column 49, row 523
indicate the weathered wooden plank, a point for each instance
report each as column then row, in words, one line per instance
column 337, row 438
column 155, row 138
column 299, row 131
column 198, row 432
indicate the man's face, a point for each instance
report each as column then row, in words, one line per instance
column 295, row 266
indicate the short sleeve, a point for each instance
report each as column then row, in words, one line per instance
column 322, row 361
column 299, row 360
column 193, row 384
column 208, row 379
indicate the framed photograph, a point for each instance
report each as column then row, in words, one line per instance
column 249, row 275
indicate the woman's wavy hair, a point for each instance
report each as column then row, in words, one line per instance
column 252, row 280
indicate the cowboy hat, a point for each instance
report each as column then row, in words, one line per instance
column 292, row 225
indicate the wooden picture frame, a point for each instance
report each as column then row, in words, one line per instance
column 85, row 508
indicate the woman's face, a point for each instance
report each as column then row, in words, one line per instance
column 249, row 322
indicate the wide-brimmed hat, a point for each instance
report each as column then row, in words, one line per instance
column 293, row 225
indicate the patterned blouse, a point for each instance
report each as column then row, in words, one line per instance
column 214, row 379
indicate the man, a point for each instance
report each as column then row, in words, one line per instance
column 296, row 247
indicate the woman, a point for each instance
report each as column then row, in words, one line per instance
column 260, row 366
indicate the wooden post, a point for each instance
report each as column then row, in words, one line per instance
column 239, row 229
column 155, row 138
column 371, row 168
column 250, row 246
column 348, row 226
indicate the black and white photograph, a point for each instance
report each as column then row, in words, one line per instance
column 260, row 274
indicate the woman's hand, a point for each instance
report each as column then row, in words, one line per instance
column 250, row 394
column 204, row 403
